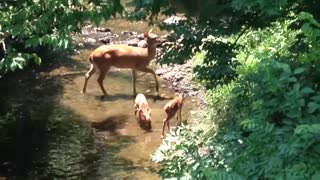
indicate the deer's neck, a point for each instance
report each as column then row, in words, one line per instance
column 151, row 51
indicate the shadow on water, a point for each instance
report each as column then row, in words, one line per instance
column 111, row 123
column 40, row 138
column 26, row 103
column 114, row 97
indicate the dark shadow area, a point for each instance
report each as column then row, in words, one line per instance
column 111, row 123
column 27, row 103
column 115, row 97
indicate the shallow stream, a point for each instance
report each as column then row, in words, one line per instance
column 90, row 138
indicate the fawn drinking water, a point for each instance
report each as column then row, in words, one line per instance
column 142, row 112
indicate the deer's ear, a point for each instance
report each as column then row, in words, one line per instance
column 146, row 34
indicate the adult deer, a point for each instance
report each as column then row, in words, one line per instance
column 171, row 108
column 141, row 107
column 123, row 56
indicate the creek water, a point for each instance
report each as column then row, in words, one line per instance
column 93, row 138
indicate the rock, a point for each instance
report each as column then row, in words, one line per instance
column 142, row 44
column 101, row 29
column 169, row 75
column 160, row 71
column 129, row 33
column 88, row 26
column 193, row 112
column 195, row 88
column 193, row 93
column 140, row 36
column 133, row 42
column 91, row 40
column 105, row 40
column 178, row 77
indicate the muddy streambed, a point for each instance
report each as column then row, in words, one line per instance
column 84, row 136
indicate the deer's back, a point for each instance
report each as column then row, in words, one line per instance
column 141, row 100
column 174, row 104
column 121, row 56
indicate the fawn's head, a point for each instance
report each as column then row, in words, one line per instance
column 145, row 118
column 181, row 95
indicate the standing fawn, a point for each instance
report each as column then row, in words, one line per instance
column 123, row 56
column 171, row 109
column 144, row 113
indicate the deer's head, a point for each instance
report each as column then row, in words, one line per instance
column 152, row 38
column 145, row 118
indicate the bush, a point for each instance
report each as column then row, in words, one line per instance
column 264, row 124
column 26, row 25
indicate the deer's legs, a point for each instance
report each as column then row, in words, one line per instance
column 91, row 71
column 134, row 79
column 166, row 122
column 148, row 70
column 100, row 80
column 179, row 116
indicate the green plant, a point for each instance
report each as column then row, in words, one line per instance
column 27, row 25
column 264, row 123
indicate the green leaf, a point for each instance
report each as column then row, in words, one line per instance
column 312, row 107
column 292, row 79
column 37, row 59
column 306, row 29
column 307, row 90
column 299, row 70
column 306, row 129
column 18, row 61
column 316, row 176
column 249, row 124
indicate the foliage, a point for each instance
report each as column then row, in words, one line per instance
column 229, row 20
column 27, row 25
column 185, row 154
column 262, row 120
column 266, row 122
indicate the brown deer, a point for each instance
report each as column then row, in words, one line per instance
column 144, row 113
column 123, row 56
column 171, row 109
